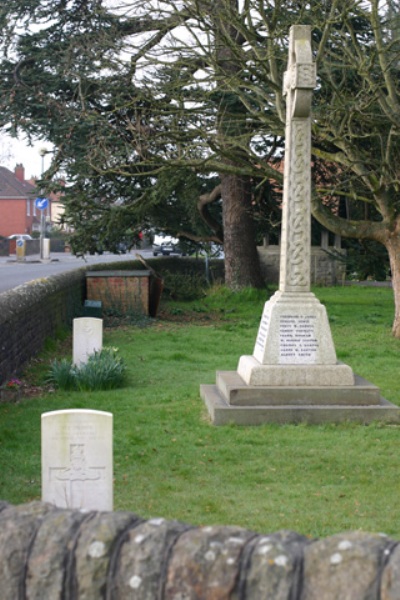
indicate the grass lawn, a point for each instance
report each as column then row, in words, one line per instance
column 170, row 461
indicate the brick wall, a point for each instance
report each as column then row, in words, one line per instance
column 50, row 553
column 13, row 217
column 33, row 312
column 122, row 292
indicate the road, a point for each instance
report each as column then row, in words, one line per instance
column 14, row 273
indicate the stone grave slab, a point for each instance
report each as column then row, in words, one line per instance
column 87, row 338
column 293, row 374
column 77, row 459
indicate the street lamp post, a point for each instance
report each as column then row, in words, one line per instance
column 42, row 152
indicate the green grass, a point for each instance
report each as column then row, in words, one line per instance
column 169, row 461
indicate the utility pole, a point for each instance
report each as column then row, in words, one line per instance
column 44, row 252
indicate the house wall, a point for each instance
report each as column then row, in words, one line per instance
column 18, row 213
column 13, row 217
column 57, row 212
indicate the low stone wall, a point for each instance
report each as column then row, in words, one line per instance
column 33, row 312
column 325, row 269
column 47, row 552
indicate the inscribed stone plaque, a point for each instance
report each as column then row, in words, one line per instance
column 77, row 459
column 298, row 343
column 87, row 338
column 263, row 330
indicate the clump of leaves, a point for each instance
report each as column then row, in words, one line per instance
column 62, row 375
column 104, row 370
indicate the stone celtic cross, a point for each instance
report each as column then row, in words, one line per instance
column 299, row 82
column 293, row 375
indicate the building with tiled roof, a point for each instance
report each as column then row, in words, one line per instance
column 18, row 213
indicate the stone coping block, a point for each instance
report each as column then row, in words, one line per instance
column 52, row 553
column 118, row 273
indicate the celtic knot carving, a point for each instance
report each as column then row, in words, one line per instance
column 304, row 77
column 299, row 81
column 298, row 239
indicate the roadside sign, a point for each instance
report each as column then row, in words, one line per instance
column 41, row 203
column 20, row 249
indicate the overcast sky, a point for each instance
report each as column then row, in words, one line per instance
column 14, row 151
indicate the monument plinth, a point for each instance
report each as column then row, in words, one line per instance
column 293, row 374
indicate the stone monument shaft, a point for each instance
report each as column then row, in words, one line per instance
column 299, row 82
column 294, row 330
column 293, row 374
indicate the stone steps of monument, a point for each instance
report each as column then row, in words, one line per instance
column 223, row 413
column 238, row 393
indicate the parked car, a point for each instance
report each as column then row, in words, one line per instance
column 211, row 250
column 166, row 245
column 20, row 236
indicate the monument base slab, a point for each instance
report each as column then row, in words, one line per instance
column 255, row 373
column 231, row 400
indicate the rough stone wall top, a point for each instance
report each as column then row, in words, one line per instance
column 51, row 553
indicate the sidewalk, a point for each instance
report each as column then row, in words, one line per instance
column 63, row 257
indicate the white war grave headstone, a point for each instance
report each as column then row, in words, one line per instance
column 77, row 459
column 293, row 374
column 87, row 338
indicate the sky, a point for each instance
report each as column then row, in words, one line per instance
column 14, row 151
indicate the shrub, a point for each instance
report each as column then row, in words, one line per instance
column 104, row 370
column 366, row 259
column 184, row 286
column 62, row 374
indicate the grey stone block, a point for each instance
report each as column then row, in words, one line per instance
column 223, row 413
column 237, row 393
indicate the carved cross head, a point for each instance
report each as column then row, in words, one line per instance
column 300, row 77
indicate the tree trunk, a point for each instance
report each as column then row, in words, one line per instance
column 242, row 265
column 385, row 233
column 393, row 248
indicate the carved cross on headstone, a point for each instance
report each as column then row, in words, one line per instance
column 299, row 82
column 73, row 477
column 77, row 467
